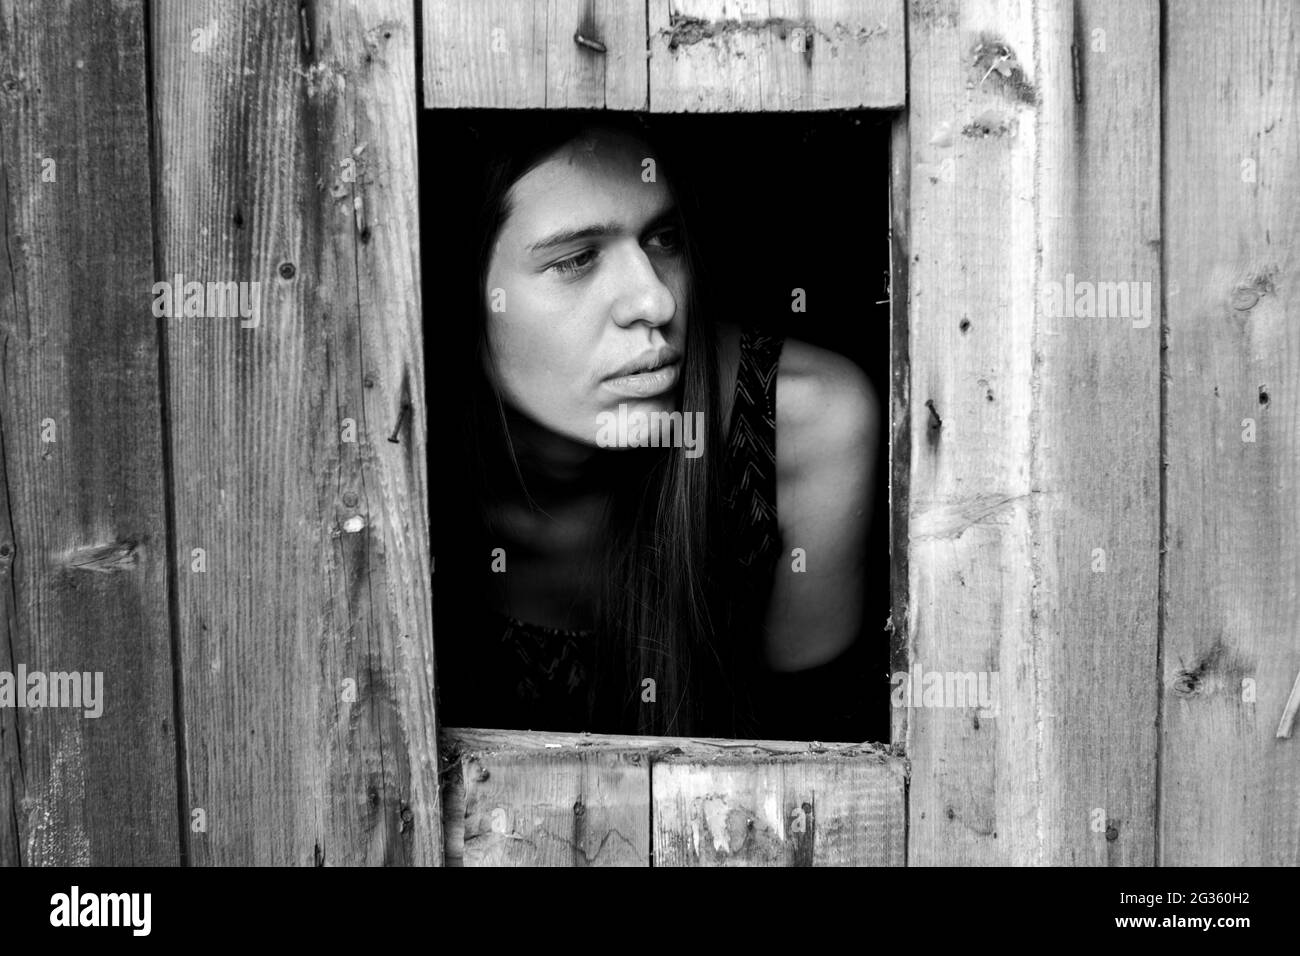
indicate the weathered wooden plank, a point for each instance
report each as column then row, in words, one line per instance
column 776, row 55
column 971, row 309
column 1097, row 523
column 458, row 743
column 561, row 809
column 530, row 804
column 742, row 807
column 900, row 404
column 489, row 54
column 286, row 141
column 83, row 537
column 510, row 799
column 578, row 73
column 1026, row 174
column 1232, row 597
column 515, row 54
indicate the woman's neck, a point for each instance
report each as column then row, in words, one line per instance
column 551, row 464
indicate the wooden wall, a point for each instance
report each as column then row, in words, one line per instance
column 286, row 155
column 1231, row 594
column 84, row 538
column 223, row 526
column 1034, row 158
column 229, row 518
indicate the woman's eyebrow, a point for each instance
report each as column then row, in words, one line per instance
column 565, row 236
column 669, row 214
column 596, row 231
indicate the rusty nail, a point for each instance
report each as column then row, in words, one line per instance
column 596, row 45
column 401, row 420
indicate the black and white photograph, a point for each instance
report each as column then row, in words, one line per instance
column 651, row 433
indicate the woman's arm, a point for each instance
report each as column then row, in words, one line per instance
column 827, row 440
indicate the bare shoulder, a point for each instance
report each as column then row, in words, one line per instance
column 827, row 448
column 827, row 410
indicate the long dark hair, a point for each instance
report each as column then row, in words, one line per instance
column 662, row 608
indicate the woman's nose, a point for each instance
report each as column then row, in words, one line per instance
column 641, row 294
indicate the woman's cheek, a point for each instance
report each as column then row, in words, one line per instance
column 535, row 370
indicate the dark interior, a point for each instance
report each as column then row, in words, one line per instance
column 785, row 201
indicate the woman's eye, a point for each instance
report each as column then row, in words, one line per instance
column 669, row 240
column 575, row 263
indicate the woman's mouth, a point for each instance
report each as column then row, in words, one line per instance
column 644, row 384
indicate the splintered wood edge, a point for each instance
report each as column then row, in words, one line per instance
column 458, row 741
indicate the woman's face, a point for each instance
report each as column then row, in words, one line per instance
column 586, row 289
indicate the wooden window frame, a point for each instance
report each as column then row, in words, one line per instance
column 519, row 797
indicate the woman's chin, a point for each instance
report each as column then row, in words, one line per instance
column 640, row 423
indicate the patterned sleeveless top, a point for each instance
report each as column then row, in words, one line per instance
column 536, row 677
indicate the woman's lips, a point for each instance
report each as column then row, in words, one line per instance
column 646, row 384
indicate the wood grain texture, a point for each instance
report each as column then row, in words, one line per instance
column 458, row 744
column 286, row 144
column 510, row 798
column 1034, row 436
column 563, row 806
column 900, row 404
column 514, row 54
column 83, row 538
column 776, row 55
column 1097, row 520
column 1232, row 601
column 742, row 808
column 972, row 246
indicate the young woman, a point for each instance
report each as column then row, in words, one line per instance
column 701, row 577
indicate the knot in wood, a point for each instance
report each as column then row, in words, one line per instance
column 1187, row 684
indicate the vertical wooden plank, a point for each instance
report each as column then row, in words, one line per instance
column 776, row 55
column 1097, row 521
column 1232, row 598
column 286, row 141
column 1034, row 433
column 748, row 807
column 83, row 537
column 900, row 404
column 525, row 54
column 971, row 309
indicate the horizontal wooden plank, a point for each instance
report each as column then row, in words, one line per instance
column 669, row 56
column 776, row 55
column 545, row 54
column 517, row 798
column 532, row 806
column 497, row 741
column 790, row 809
